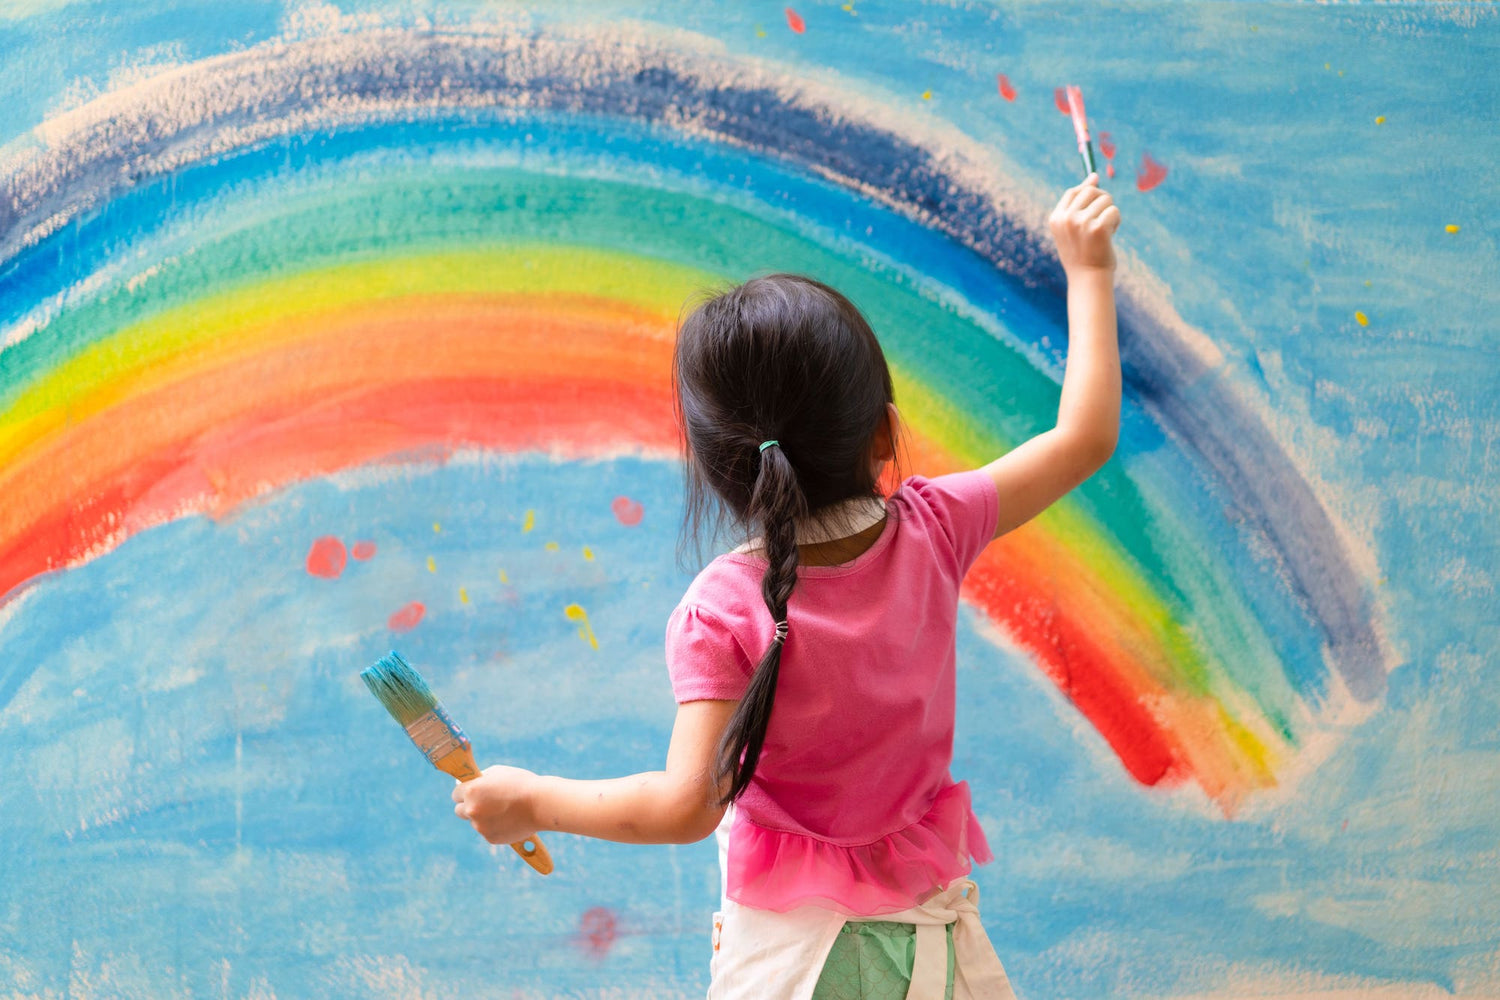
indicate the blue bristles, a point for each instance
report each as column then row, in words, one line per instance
column 398, row 687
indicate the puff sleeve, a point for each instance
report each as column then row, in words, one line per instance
column 704, row 659
column 966, row 507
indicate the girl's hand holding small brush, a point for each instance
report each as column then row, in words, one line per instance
column 1083, row 226
column 498, row 804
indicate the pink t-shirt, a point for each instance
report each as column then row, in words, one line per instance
column 852, row 806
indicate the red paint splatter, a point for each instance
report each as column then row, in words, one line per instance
column 327, row 558
column 363, row 551
column 1060, row 98
column 795, row 22
column 1006, row 90
column 1109, row 169
column 407, row 618
column 597, row 930
column 1106, row 146
column 1149, row 174
column 628, row 511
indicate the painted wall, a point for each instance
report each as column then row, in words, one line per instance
column 331, row 329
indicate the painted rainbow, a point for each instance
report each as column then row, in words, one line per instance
column 215, row 283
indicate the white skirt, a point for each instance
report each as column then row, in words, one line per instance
column 763, row 953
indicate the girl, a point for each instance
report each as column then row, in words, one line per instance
column 814, row 664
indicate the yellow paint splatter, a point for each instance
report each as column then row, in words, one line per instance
column 431, row 565
column 1380, row 119
column 1368, row 284
column 1451, row 228
column 1328, row 65
column 926, row 95
column 551, row 546
column 1341, row 72
column 529, row 523
column 588, row 553
column 585, row 631
column 760, row 32
column 504, row 577
column 1361, row 318
column 463, row 595
column 436, row 528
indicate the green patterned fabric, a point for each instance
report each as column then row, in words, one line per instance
column 872, row 960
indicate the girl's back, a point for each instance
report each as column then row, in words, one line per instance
column 853, row 776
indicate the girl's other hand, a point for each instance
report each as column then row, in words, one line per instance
column 1083, row 224
column 497, row 804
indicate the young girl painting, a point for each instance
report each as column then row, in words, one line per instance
column 813, row 666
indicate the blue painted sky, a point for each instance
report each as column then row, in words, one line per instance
column 249, row 781
column 213, row 776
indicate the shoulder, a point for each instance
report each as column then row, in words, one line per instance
column 707, row 632
column 727, row 591
column 974, row 487
column 960, row 508
column 725, row 580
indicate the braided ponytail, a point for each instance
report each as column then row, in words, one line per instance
column 776, row 502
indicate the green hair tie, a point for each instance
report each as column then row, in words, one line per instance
column 766, row 444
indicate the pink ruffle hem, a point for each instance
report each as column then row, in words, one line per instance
column 777, row 870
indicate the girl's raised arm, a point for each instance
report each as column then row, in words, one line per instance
column 1035, row 474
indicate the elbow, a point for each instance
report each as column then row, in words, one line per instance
column 1086, row 443
column 692, row 835
column 1090, row 452
column 1100, row 450
column 695, row 828
column 694, row 821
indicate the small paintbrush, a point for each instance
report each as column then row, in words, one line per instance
column 403, row 692
column 1081, row 128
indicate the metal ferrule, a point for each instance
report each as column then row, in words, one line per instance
column 436, row 735
column 1087, row 151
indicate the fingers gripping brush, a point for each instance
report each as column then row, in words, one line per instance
column 403, row 692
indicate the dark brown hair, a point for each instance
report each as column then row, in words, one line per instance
column 779, row 358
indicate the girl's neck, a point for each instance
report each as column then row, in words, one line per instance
column 834, row 535
column 840, row 550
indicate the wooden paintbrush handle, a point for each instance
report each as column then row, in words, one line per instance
column 460, row 763
column 535, row 854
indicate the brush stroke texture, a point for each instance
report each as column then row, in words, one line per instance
column 236, row 97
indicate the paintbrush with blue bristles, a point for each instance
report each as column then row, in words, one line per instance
column 403, row 692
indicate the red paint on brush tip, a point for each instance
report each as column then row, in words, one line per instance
column 407, row 618
column 327, row 558
column 795, row 22
column 1079, row 116
column 597, row 931
column 629, row 512
column 1006, row 90
column 1149, row 174
column 1060, row 98
column 363, row 551
column 1106, row 146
